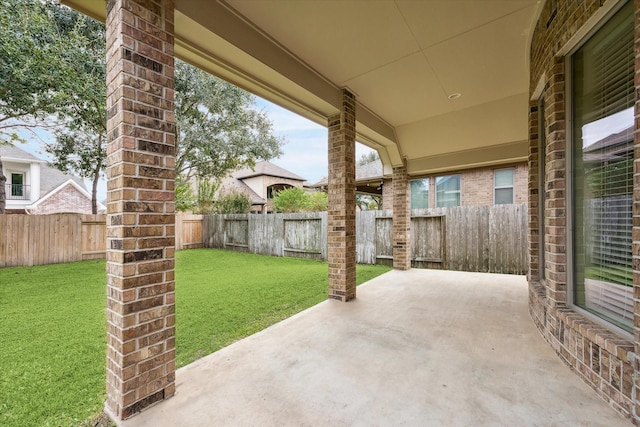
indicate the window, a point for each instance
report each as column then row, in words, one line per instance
column 602, row 79
column 448, row 191
column 17, row 185
column 503, row 186
column 419, row 193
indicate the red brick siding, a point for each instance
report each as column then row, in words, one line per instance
column 476, row 186
column 66, row 200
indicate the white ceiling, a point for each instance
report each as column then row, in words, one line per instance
column 401, row 58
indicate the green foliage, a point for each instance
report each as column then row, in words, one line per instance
column 53, row 374
column 185, row 197
column 317, row 201
column 368, row 202
column 289, row 200
column 80, row 145
column 296, row 199
column 206, row 195
column 52, row 66
column 34, row 71
column 52, row 62
column 218, row 127
column 232, row 202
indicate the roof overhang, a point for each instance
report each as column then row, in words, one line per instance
column 404, row 61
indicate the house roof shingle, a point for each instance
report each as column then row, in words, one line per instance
column 10, row 150
column 367, row 172
column 266, row 168
column 50, row 177
column 233, row 184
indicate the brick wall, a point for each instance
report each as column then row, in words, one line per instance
column 598, row 354
column 65, row 200
column 387, row 194
column 476, row 186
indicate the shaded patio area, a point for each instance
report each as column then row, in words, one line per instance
column 417, row 347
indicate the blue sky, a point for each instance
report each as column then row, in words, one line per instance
column 304, row 150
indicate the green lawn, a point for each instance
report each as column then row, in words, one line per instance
column 52, row 323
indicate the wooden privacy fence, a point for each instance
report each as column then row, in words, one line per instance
column 467, row 238
column 50, row 239
column 302, row 235
column 477, row 238
column 474, row 238
column 188, row 231
column 27, row 240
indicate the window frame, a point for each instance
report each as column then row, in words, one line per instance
column 459, row 191
column 568, row 52
column 428, row 191
column 512, row 186
column 22, row 184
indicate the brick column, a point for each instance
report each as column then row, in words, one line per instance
column 342, row 201
column 140, row 205
column 534, row 226
column 401, row 219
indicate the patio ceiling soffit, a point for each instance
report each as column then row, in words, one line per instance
column 234, row 50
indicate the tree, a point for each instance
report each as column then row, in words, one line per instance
column 317, row 201
column 34, row 71
column 367, row 158
column 185, row 198
column 289, row 200
column 232, row 202
column 205, row 198
column 296, row 199
column 80, row 147
column 218, row 127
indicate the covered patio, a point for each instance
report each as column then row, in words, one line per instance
column 435, row 87
column 417, row 347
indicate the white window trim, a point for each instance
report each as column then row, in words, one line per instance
column 512, row 186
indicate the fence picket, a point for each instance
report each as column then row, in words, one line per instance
column 474, row 238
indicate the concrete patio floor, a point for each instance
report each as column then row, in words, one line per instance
column 418, row 347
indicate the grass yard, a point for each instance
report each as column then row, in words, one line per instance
column 52, row 323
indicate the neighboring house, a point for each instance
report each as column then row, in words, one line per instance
column 261, row 183
column 471, row 187
column 34, row 187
